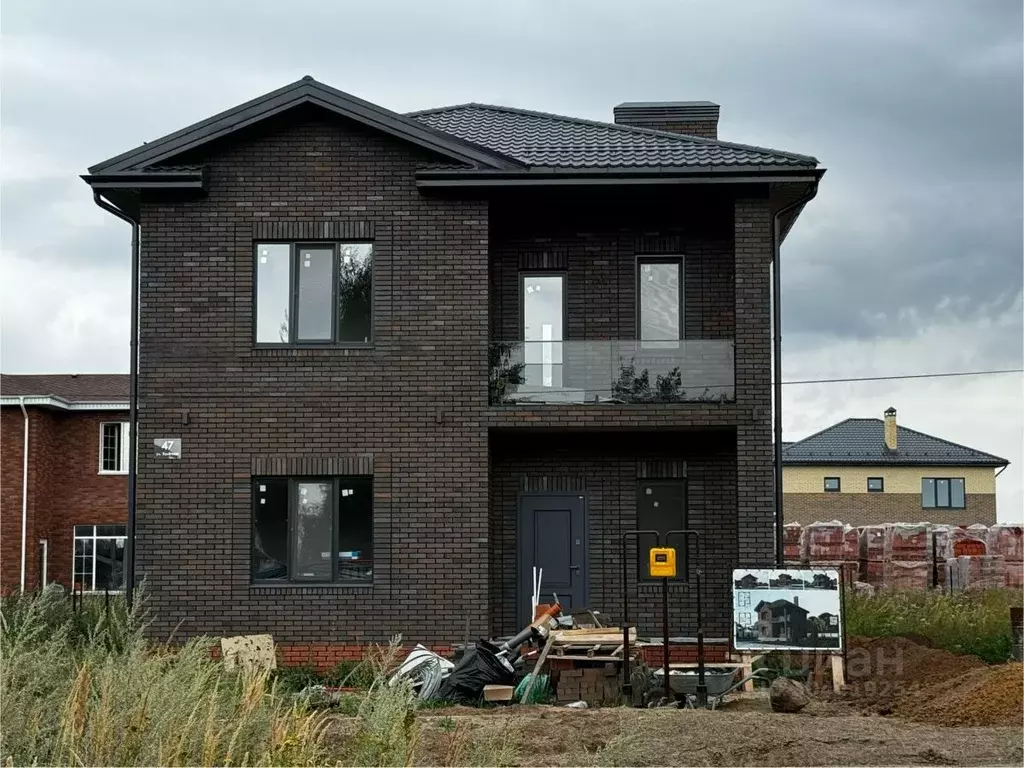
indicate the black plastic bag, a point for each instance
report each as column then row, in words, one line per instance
column 479, row 667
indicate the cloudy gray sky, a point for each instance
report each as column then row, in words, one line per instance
column 909, row 261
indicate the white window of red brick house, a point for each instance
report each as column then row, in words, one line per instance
column 115, row 438
column 99, row 557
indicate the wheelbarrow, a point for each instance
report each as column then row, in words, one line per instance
column 719, row 681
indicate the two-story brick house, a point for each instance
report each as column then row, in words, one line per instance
column 410, row 357
column 63, row 480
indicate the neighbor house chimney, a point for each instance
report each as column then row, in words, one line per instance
column 890, row 428
column 693, row 118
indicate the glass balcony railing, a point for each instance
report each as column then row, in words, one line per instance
column 611, row 371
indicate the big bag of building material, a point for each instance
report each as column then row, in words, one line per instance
column 950, row 541
column 903, row 574
column 872, row 543
column 791, row 542
column 822, row 542
column 479, row 667
column 908, row 541
column 1006, row 540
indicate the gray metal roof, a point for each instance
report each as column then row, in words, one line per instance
column 862, row 441
column 555, row 141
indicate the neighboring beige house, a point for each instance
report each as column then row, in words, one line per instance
column 865, row 471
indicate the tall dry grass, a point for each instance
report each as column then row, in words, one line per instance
column 976, row 623
column 86, row 688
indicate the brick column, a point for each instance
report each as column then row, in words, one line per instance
column 754, row 470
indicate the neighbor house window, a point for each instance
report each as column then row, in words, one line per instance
column 876, row 485
column 314, row 293
column 831, row 485
column 943, row 493
column 114, row 443
column 661, row 507
column 659, row 296
column 99, row 557
column 312, row 529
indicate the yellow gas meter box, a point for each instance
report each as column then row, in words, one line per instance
column 663, row 562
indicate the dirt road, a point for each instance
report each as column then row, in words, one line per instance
column 619, row 736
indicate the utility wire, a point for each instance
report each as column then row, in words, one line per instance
column 906, row 376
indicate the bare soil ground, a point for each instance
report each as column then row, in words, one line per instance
column 620, row 736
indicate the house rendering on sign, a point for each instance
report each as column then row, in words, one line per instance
column 867, row 471
column 782, row 621
column 409, row 357
column 63, row 481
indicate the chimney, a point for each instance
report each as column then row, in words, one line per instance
column 796, row 601
column 890, row 429
column 693, row 118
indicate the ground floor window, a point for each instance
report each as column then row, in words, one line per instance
column 661, row 507
column 99, row 557
column 312, row 529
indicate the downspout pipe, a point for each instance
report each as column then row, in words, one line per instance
column 777, row 354
column 133, row 399
column 24, row 493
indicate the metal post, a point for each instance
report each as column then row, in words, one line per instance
column 627, row 683
column 664, row 630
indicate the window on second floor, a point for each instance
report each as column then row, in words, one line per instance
column 831, row 485
column 114, row 445
column 943, row 493
column 314, row 293
column 659, row 298
column 876, row 485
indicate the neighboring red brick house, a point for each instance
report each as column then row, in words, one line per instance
column 76, row 506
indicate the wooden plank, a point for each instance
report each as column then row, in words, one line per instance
column 609, row 635
column 838, row 673
column 578, row 657
column 537, row 668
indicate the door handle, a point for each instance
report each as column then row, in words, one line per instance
column 574, row 568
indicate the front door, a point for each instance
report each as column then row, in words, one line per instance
column 552, row 536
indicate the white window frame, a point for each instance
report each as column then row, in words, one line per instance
column 126, row 433
column 94, row 538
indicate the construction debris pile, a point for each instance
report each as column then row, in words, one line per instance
column 912, row 555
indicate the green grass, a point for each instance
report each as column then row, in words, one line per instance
column 976, row 623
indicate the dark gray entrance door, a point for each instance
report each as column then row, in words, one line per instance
column 552, row 536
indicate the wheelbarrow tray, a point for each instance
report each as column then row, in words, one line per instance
column 717, row 679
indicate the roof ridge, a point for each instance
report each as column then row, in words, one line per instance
column 617, row 126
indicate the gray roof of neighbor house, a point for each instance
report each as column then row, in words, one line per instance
column 541, row 139
column 862, row 441
column 70, row 388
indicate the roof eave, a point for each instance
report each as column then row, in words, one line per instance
column 995, row 463
column 60, row 403
column 538, row 175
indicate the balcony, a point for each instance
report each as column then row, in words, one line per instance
column 614, row 372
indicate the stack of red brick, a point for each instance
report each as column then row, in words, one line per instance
column 1008, row 542
column 829, row 545
column 908, row 556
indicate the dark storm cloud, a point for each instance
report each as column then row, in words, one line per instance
column 915, row 108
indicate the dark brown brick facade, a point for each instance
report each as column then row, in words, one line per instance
column 65, row 489
column 414, row 406
column 870, row 508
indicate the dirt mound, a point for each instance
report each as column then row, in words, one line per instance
column 987, row 696
column 904, row 676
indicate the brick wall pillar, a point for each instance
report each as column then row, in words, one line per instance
column 754, row 470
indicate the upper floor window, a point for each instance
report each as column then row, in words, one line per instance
column 314, row 293
column 659, row 297
column 876, row 485
column 99, row 557
column 832, row 485
column 313, row 529
column 943, row 492
column 114, row 443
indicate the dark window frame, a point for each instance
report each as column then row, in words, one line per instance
column 678, row 259
column 881, row 485
column 294, row 249
column 293, row 482
column 949, row 492
column 837, row 489
column 523, row 276
column 680, row 543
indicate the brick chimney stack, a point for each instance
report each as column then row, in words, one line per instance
column 890, row 429
column 692, row 118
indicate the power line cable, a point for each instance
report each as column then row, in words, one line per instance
column 905, row 376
